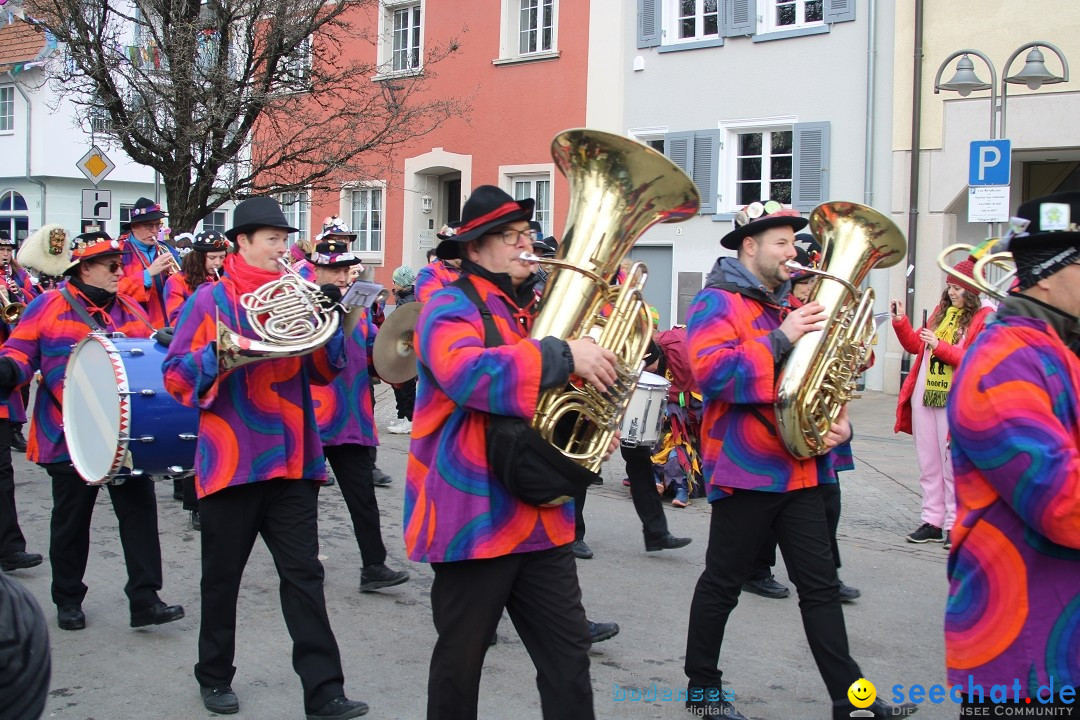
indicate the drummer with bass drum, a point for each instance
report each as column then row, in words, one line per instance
column 42, row 340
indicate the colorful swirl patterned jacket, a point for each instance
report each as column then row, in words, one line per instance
column 433, row 277
column 344, row 409
column 258, row 421
column 42, row 341
column 1013, row 612
column 736, row 351
column 454, row 508
column 134, row 282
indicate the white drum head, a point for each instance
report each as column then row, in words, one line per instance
column 95, row 409
column 652, row 380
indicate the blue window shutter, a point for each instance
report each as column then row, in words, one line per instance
column 648, row 23
column 839, row 11
column 679, row 147
column 810, row 181
column 706, row 165
column 740, row 17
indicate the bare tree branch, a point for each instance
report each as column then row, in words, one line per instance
column 239, row 97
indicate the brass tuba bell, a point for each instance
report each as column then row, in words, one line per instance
column 618, row 189
column 818, row 377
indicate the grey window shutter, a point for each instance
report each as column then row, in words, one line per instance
column 706, row 166
column 648, row 23
column 839, row 11
column 740, row 17
column 810, row 181
column 679, row 147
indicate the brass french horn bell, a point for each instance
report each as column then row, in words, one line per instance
column 395, row 355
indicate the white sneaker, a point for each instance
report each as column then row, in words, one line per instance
column 403, row 427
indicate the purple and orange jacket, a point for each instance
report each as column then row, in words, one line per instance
column 455, row 509
column 176, row 294
column 257, row 422
column 42, row 341
column 344, row 409
column 152, row 296
column 736, row 356
column 1013, row 611
column 433, row 277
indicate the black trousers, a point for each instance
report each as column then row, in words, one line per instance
column 191, row 497
column 647, row 502
column 540, row 591
column 737, row 529
column 285, row 513
column 405, row 396
column 766, row 557
column 135, row 506
column 11, row 536
column 353, row 466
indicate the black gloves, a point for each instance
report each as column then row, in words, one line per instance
column 9, row 374
column 333, row 295
column 164, row 336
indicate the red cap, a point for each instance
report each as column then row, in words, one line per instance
column 967, row 268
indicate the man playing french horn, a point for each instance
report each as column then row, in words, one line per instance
column 740, row 330
column 258, row 459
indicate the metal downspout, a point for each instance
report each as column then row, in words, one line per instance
column 29, row 178
column 871, row 89
column 913, row 177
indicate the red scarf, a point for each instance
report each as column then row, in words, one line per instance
column 247, row 278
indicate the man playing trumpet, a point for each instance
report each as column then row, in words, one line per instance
column 147, row 260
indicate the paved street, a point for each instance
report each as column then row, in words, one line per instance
column 110, row 672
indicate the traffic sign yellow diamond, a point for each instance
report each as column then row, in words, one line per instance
column 95, row 165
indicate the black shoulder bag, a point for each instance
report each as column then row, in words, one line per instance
column 530, row 468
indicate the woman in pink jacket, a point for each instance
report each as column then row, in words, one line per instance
column 937, row 349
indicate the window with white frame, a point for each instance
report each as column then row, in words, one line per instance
column 7, row 108
column 538, row 188
column 406, row 53
column 125, row 216
column 215, row 222
column 294, row 70
column 690, row 20
column 763, row 166
column 792, row 14
column 366, row 214
column 530, row 27
column 297, row 206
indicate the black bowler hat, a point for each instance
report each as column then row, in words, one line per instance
column 146, row 210
column 546, row 247
column 255, row 213
column 210, row 241
column 486, row 209
column 5, row 239
column 333, row 252
column 758, row 217
column 1045, row 236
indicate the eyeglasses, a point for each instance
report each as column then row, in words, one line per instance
column 510, row 237
column 112, row 266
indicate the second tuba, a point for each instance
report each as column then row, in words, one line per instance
column 818, row 377
column 618, row 189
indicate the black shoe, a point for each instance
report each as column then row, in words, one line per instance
column 926, row 533
column 18, row 440
column 947, row 541
column 582, row 551
column 340, row 708
column 380, row 478
column 667, row 542
column 767, row 588
column 196, row 520
column 157, row 614
column 374, row 577
column 221, row 699
column 20, row 561
column 70, row 617
column 330, row 480
column 715, row 707
column 843, row 710
column 599, row 632
column 848, row 593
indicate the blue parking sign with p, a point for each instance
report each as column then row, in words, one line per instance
column 991, row 162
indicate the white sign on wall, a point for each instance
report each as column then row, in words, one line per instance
column 988, row 204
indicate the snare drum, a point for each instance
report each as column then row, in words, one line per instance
column 118, row 419
column 645, row 414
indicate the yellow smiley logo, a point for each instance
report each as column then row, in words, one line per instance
column 862, row 693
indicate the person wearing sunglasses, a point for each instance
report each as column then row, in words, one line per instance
column 202, row 264
column 51, row 325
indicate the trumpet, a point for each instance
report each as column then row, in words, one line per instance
column 174, row 266
column 11, row 305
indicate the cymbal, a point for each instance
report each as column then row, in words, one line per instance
column 394, row 355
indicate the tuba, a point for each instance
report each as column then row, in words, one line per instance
column 618, row 189
column 288, row 314
column 994, row 271
column 818, row 377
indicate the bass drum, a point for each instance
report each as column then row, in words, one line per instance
column 118, row 420
column 645, row 415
